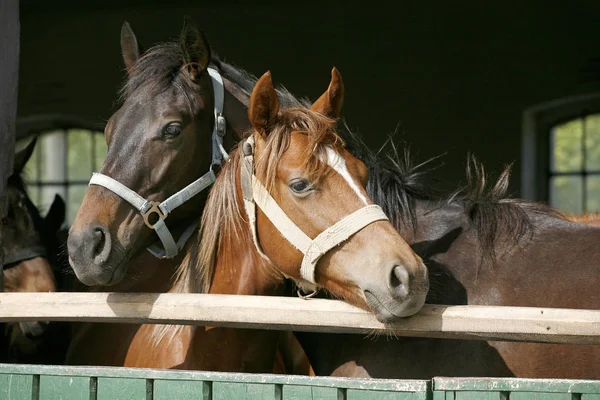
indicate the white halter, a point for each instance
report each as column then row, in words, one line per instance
column 162, row 210
column 313, row 249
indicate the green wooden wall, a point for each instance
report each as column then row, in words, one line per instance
column 19, row 382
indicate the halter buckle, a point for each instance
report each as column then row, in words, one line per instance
column 221, row 125
column 154, row 209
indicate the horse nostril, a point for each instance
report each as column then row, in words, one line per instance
column 399, row 281
column 101, row 244
column 98, row 239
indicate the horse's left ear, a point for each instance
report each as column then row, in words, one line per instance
column 330, row 103
column 130, row 48
column 195, row 48
column 264, row 104
column 22, row 156
column 56, row 214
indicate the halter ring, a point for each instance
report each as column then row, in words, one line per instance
column 154, row 209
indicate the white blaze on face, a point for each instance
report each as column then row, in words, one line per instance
column 338, row 163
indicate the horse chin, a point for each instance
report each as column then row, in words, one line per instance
column 387, row 311
column 107, row 274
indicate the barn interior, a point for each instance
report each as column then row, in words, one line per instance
column 510, row 82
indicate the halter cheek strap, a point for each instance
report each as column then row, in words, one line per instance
column 313, row 249
column 155, row 213
column 15, row 257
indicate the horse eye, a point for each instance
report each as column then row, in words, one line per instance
column 300, row 186
column 171, row 130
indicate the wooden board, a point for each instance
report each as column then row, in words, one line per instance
column 286, row 313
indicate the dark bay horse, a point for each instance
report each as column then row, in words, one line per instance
column 163, row 130
column 30, row 245
column 481, row 248
column 299, row 160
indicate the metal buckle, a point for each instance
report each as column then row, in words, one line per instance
column 304, row 296
column 221, row 125
column 154, row 208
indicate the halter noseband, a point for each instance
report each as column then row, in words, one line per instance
column 162, row 210
column 14, row 258
column 255, row 193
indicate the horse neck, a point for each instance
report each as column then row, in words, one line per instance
column 548, row 265
column 239, row 268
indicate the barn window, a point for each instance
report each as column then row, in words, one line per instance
column 574, row 173
column 560, row 161
column 62, row 163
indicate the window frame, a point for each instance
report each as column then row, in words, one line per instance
column 38, row 125
column 537, row 123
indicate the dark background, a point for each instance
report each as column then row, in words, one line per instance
column 454, row 76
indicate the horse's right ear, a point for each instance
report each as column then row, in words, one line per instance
column 130, row 49
column 22, row 156
column 56, row 214
column 264, row 104
column 195, row 48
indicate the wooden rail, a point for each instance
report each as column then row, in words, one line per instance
column 545, row 325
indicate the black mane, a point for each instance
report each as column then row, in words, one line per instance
column 396, row 183
column 246, row 81
column 493, row 214
column 156, row 70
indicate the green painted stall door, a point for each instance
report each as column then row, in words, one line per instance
column 543, row 396
column 300, row 392
column 245, row 391
column 478, row 395
column 16, row 386
column 66, row 387
column 181, row 390
column 123, row 389
column 357, row 394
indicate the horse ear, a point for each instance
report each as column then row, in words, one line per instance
column 195, row 48
column 330, row 103
column 22, row 156
column 264, row 104
column 130, row 49
column 56, row 214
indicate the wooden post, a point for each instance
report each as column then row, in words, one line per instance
column 9, row 79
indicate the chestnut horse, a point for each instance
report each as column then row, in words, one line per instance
column 318, row 197
column 481, row 248
column 30, row 245
column 161, row 92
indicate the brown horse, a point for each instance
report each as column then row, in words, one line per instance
column 318, row 185
column 163, row 130
column 481, row 248
column 161, row 91
column 30, row 246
